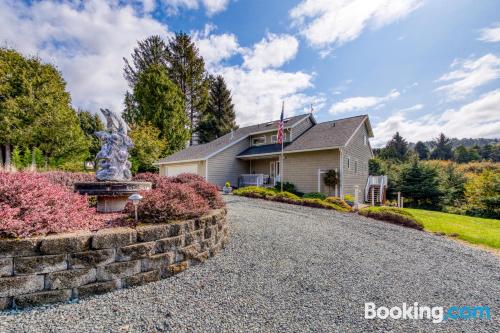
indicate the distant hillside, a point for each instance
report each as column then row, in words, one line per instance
column 466, row 142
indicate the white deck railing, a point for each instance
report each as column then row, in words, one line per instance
column 256, row 179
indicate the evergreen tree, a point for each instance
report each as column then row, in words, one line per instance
column 443, row 150
column 219, row 117
column 461, row 155
column 35, row 110
column 422, row 151
column 90, row 124
column 148, row 147
column 151, row 51
column 187, row 71
column 397, row 148
column 420, row 183
column 486, row 152
column 375, row 167
column 452, row 186
column 160, row 103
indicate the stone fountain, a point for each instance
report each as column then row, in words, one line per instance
column 113, row 185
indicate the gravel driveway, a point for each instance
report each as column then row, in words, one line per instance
column 294, row 269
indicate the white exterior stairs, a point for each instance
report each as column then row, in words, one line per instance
column 375, row 191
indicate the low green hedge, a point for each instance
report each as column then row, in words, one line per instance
column 287, row 197
column 392, row 215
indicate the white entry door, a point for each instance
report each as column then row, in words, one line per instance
column 274, row 171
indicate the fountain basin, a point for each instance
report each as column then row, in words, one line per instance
column 112, row 196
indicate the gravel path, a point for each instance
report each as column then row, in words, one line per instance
column 294, row 269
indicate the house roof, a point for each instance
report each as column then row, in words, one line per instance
column 204, row 151
column 264, row 149
column 330, row 134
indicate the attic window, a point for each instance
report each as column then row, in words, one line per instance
column 259, row 141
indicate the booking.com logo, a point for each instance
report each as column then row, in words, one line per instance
column 437, row 313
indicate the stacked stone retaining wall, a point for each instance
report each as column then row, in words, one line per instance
column 63, row 267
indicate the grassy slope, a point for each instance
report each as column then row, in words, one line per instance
column 472, row 229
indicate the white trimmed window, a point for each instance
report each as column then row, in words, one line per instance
column 261, row 140
column 365, row 140
column 274, row 138
column 348, row 162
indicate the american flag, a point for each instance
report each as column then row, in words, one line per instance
column 281, row 125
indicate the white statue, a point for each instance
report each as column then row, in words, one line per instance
column 112, row 160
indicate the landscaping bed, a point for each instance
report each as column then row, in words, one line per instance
column 287, row 197
column 392, row 215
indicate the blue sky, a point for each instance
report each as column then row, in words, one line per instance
column 417, row 66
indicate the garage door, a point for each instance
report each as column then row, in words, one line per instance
column 173, row 171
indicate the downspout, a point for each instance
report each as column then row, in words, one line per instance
column 341, row 178
column 206, row 169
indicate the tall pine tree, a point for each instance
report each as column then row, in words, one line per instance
column 187, row 71
column 219, row 117
column 397, row 148
column 421, row 150
column 160, row 103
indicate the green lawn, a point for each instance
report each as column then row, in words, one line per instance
column 475, row 230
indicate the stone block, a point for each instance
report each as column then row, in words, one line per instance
column 176, row 229
column 42, row 297
column 40, row 264
column 5, row 303
column 179, row 267
column 18, row 247
column 141, row 278
column 169, row 244
column 91, row 258
column 152, row 232
column 6, row 267
column 191, row 251
column 207, row 244
column 199, row 223
column 194, row 237
column 113, row 237
column 216, row 249
column 136, row 251
column 209, row 232
column 70, row 279
column 15, row 285
column 202, row 257
column 64, row 243
column 118, row 270
column 158, row 261
column 96, row 288
column 189, row 226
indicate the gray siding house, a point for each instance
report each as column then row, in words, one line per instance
column 310, row 150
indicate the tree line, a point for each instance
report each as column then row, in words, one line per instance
column 172, row 102
column 457, row 180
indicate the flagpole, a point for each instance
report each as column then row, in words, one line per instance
column 282, row 176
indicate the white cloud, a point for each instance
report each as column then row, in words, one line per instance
column 415, row 107
column 362, row 103
column 490, row 35
column 469, row 75
column 272, row 51
column 334, row 22
column 85, row 40
column 480, row 118
column 216, row 48
column 211, row 6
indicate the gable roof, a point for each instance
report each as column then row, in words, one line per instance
column 204, row 151
column 330, row 134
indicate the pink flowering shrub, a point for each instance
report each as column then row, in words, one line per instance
column 169, row 201
column 31, row 205
column 68, row 179
column 209, row 192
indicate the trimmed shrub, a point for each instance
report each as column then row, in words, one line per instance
column 209, row 192
column 255, row 192
column 150, row 177
column 185, row 178
column 318, row 203
column 339, row 202
column 68, row 179
column 286, row 197
column 288, row 187
column 349, row 197
column 31, row 205
column 314, row 195
column 392, row 215
column 169, row 201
